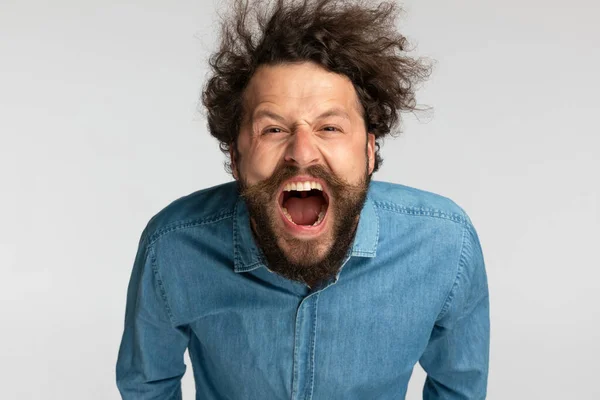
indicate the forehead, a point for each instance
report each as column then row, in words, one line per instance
column 300, row 85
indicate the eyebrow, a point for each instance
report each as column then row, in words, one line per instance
column 332, row 112
column 267, row 114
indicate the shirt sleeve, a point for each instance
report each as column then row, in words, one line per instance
column 456, row 358
column 150, row 360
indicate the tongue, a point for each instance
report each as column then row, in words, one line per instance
column 304, row 211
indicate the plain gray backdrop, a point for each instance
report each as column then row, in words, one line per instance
column 100, row 129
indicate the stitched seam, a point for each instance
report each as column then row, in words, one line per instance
column 312, row 349
column 237, row 254
column 459, row 274
column 295, row 372
column 422, row 211
column 483, row 292
column 377, row 234
column 373, row 251
column 236, row 259
column 158, row 278
column 362, row 253
column 249, row 267
column 188, row 224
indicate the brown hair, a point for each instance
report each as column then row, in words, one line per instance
column 345, row 37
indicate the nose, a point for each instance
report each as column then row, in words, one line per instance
column 301, row 148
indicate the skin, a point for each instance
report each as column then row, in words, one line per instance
column 302, row 115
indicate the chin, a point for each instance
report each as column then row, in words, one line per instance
column 305, row 251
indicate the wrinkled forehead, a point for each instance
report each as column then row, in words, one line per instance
column 298, row 87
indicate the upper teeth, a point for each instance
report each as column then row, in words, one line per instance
column 302, row 186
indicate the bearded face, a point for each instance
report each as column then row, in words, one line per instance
column 304, row 221
column 303, row 160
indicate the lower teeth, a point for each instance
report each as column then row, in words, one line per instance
column 319, row 218
column 317, row 222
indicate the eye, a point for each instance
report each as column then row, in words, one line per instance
column 330, row 128
column 271, row 130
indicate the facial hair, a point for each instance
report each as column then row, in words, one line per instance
column 305, row 265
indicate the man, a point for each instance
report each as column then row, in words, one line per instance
column 303, row 279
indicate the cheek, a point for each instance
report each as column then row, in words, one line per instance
column 260, row 162
column 348, row 161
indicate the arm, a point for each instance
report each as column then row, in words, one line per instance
column 150, row 362
column 457, row 356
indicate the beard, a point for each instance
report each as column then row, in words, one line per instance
column 310, row 261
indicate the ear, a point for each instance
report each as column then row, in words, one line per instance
column 233, row 158
column 371, row 151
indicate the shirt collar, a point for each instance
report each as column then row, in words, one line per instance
column 247, row 256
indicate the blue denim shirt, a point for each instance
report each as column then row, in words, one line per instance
column 413, row 289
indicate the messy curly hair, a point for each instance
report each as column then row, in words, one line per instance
column 351, row 37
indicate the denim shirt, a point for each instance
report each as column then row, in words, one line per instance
column 413, row 289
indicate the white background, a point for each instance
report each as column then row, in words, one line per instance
column 100, row 129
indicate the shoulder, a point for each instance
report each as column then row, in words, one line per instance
column 203, row 207
column 423, row 216
column 439, row 235
column 409, row 201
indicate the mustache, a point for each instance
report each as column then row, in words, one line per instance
column 336, row 185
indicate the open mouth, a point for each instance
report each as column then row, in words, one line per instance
column 304, row 203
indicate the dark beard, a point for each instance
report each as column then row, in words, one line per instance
column 348, row 201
